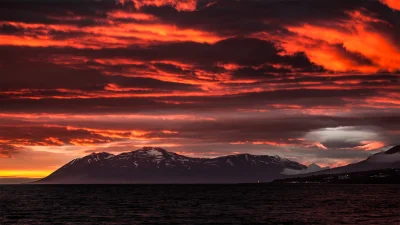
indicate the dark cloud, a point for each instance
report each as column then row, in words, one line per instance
column 44, row 135
column 225, row 129
column 303, row 98
column 8, row 151
column 256, row 16
column 241, row 51
column 355, row 57
column 49, row 12
column 42, row 75
column 169, row 68
column 30, row 70
column 227, row 76
column 9, row 29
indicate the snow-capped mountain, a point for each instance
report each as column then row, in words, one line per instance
column 156, row 165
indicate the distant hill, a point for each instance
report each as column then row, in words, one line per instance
column 156, row 165
column 382, row 160
column 386, row 176
column 311, row 169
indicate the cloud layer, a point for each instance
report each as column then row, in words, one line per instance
column 204, row 78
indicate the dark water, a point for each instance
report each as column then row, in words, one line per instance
column 200, row 204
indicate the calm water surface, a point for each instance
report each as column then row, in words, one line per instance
column 200, row 204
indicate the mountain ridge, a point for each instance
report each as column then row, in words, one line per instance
column 157, row 165
column 382, row 176
column 382, row 160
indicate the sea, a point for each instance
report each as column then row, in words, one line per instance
column 200, row 204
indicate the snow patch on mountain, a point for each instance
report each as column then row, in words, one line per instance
column 230, row 162
column 109, row 157
column 154, row 153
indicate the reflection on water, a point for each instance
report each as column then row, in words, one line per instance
column 200, row 204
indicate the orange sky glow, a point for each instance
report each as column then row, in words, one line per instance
column 198, row 77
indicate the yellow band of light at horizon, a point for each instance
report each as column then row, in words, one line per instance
column 24, row 173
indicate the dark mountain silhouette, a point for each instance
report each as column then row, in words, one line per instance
column 156, row 165
column 379, row 161
column 394, row 150
column 385, row 176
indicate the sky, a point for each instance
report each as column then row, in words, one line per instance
column 314, row 81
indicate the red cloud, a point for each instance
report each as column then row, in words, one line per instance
column 370, row 145
column 394, row 4
column 364, row 48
